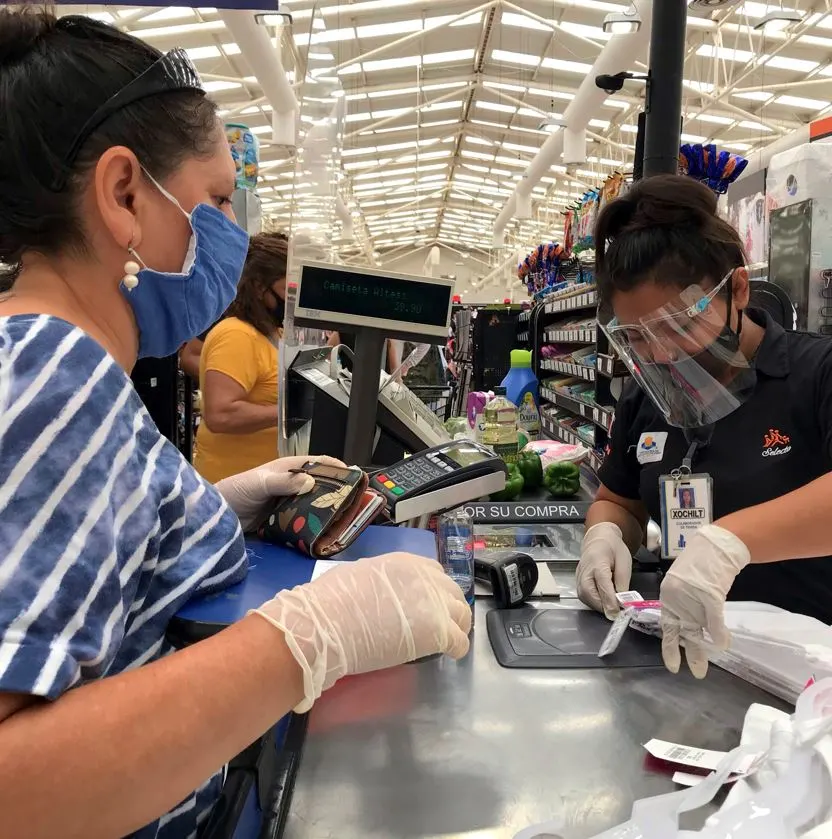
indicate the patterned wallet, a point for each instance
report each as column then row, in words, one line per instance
column 328, row 519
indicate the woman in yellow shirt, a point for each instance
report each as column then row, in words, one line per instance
column 238, row 368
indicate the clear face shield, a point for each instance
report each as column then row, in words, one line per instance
column 686, row 357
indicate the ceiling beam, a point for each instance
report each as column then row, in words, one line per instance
column 414, row 36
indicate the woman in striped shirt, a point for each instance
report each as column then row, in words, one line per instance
column 116, row 184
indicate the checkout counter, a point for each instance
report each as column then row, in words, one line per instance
column 441, row 749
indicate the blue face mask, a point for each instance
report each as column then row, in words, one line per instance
column 170, row 309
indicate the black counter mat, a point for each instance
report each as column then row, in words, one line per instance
column 564, row 638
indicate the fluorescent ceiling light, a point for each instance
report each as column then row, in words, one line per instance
column 103, row 17
column 217, row 86
column 497, row 106
column 802, row 102
column 584, row 31
column 725, row 53
column 755, row 95
column 713, row 118
column 622, row 23
column 778, row 20
column 411, row 127
column 526, row 60
column 403, row 62
column 800, row 65
column 754, row 126
column 200, row 53
column 181, row 29
column 523, row 21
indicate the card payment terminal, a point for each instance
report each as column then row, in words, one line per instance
column 440, row 478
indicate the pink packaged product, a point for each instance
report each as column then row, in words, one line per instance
column 552, row 451
column 477, row 400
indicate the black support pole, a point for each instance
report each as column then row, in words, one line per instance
column 664, row 95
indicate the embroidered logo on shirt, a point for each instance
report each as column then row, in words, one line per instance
column 776, row 443
column 650, row 447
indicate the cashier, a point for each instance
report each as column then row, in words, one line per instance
column 724, row 402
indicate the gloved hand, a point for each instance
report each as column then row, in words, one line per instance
column 693, row 596
column 368, row 615
column 605, row 568
column 250, row 494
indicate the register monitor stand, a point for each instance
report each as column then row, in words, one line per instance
column 373, row 305
column 361, row 414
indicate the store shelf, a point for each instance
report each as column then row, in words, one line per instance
column 569, row 368
column 523, row 337
column 557, row 432
column 573, row 303
column 611, row 366
column 570, row 336
column 595, row 461
column 597, row 414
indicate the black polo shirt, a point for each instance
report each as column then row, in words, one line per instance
column 749, row 458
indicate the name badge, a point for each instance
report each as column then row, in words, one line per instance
column 686, row 504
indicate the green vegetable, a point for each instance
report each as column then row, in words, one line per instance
column 562, row 479
column 513, row 487
column 531, row 469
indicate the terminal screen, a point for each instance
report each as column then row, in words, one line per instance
column 367, row 295
column 464, row 455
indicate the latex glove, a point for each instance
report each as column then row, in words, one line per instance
column 693, row 595
column 606, row 567
column 250, row 494
column 368, row 615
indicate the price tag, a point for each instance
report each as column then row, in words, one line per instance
column 596, row 415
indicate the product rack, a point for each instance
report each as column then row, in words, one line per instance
column 524, row 335
column 546, row 321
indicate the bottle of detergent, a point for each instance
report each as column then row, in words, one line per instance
column 522, row 389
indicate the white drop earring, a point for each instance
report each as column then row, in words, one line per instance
column 131, row 270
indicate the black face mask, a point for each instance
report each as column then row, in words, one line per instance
column 725, row 345
column 279, row 311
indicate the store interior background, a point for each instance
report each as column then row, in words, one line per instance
column 446, row 102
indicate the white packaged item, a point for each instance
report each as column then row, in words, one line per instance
column 799, row 174
column 776, row 650
column 551, row 451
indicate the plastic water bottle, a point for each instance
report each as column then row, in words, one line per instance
column 455, row 546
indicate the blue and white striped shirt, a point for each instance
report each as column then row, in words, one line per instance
column 105, row 529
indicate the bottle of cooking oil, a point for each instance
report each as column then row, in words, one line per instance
column 500, row 429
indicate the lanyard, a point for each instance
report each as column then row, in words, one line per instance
column 696, row 438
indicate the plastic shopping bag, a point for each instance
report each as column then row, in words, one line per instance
column 790, row 796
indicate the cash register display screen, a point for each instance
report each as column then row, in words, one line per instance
column 463, row 455
column 371, row 296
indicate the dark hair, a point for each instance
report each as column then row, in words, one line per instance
column 267, row 259
column 54, row 75
column 665, row 230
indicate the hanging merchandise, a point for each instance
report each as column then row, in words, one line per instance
column 612, row 188
column 569, row 230
column 716, row 169
column 540, row 270
column 587, row 214
column 245, row 152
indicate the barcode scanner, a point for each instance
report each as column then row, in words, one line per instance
column 512, row 577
